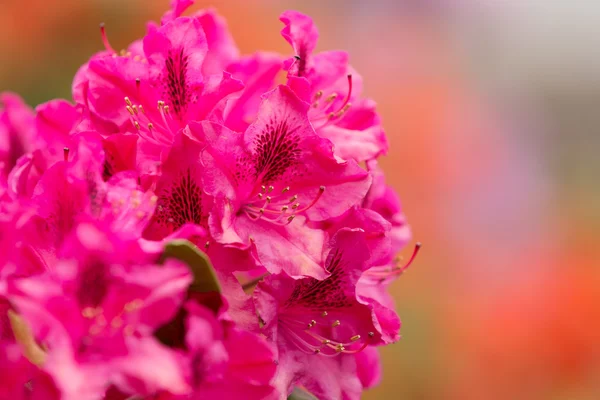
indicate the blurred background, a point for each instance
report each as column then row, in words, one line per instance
column 493, row 114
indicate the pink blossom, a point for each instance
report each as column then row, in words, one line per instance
column 333, row 88
column 96, row 312
column 153, row 90
column 188, row 229
column 312, row 320
column 278, row 170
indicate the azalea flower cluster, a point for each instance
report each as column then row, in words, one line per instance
column 189, row 228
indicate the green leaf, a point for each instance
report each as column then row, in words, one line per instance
column 301, row 394
column 205, row 278
column 204, row 289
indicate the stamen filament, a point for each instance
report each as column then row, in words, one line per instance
column 105, row 41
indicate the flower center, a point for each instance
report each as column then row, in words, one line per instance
column 157, row 127
column 181, row 203
column 325, row 334
column 277, row 207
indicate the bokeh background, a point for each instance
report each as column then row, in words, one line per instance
column 493, row 113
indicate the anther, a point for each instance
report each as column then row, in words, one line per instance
column 137, row 83
column 355, row 338
column 133, row 305
column 285, row 189
column 324, row 314
column 271, row 188
column 294, row 198
column 340, row 348
column 88, row 312
column 206, row 245
column 135, row 109
column 317, row 351
column 137, row 125
column 331, row 97
column 371, row 334
column 326, row 342
column 284, row 208
column 122, row 53
column 66, row 154
column 130, row 110
column 336, row 323
column 128, row 102
column 295, row 206
column 167, row 109
column 116, row 323
column 318, row 94
column 142, row 109
column 150, row 126
column 290, row 218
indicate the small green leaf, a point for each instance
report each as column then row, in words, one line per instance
column 205, row 278
column 301, row 394
column 204, row 289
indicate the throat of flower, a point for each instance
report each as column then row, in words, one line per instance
column 316, row 336
column 277, row 206
column 325, row 110
column 155, row 127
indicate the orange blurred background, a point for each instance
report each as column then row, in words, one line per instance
column 491, row 111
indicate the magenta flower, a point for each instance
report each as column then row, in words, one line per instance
column 96, row 311
column 332, row 87
column 189, row 229
column 277, row 170
column 313, row 320
column 161, row 83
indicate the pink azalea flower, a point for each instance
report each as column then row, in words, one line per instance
column 180, row 137
column 332, row 87
column 16, row 131
column 54, row 123
column 278, row 170
column 319, row 325
column 96, row 313
column 153, row 90
column 73, row 190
